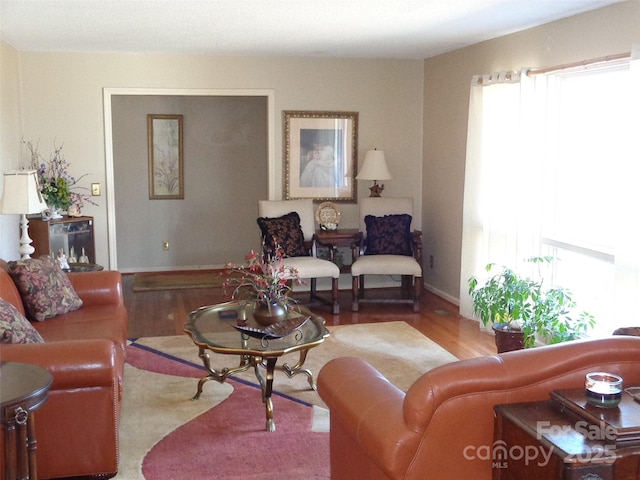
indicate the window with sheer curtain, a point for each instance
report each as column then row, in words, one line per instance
column 552, row 169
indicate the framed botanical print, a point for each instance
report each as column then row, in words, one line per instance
column 320, row 155
column 166, row 176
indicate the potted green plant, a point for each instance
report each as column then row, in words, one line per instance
column 521, row 309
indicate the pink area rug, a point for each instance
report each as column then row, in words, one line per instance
column 227, row 441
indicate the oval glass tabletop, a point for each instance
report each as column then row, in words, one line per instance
column 230, row 328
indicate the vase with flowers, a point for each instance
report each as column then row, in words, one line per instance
column 58, row 187
column 266, row 281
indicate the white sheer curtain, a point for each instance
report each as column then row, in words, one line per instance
column 627, row 255
column 513, row 188
column 500, row 221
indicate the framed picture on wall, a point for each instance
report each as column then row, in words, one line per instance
column 320, row 155
column 166, row 176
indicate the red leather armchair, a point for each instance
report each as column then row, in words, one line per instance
column 84, row 350
column 435, row 430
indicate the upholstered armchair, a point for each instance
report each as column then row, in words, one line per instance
column 292, row 223
column 388, row 246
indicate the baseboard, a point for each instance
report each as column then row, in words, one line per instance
column 344, row 283
column 170, row 269
column 441, row 294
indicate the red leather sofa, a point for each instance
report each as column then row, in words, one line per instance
column 379, row 432
column 84, row 350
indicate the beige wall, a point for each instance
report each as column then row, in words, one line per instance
column 62, row 97
column 447, row 79
column 10, row 119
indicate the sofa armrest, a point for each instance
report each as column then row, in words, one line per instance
column 365, row 404
column 73, row 364
column 98, row 288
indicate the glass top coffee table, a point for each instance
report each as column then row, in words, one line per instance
column 229, row 328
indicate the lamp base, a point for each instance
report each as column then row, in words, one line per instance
column 376, row 189
column 26, row 249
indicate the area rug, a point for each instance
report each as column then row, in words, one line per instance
column 150, row 281
column 165, row 435
column 399, row 351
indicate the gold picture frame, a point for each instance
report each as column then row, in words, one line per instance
column 320, row 155
column 165, row 144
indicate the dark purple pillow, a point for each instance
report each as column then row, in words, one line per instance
column 388, row 235
column 287, row 232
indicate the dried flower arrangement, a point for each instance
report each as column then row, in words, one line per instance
column 57, row 185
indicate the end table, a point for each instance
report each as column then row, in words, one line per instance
column 542, row 440
column 333, row 239
column 23, row 388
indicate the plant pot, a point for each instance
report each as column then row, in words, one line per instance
column 507, row 340
column 265, row 314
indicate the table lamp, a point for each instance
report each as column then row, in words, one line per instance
column 374, row 168
column 21, row 195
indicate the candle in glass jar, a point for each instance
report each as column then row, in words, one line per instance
column 603, row 389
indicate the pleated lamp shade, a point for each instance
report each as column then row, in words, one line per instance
column 21, row 194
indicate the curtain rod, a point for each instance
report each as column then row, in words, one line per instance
column 584, row 63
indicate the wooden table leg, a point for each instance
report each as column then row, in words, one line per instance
column 32, row 446
column 10, row 450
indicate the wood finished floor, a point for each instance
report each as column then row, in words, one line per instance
column 163, row 312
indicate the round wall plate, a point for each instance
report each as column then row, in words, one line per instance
column 328, row 216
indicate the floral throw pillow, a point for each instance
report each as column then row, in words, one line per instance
column 287, row 232
column 14, row 328
column 45, row 289
column 388, row 235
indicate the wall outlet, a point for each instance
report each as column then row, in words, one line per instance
column 165, row 245
column 430, row 261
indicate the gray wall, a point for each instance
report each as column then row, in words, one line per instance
column 225, row 174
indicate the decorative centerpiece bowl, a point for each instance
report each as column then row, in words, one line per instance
column 266, row 314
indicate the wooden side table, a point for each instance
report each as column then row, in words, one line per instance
column 540, row 440
column 23, row 388
column 334, row 239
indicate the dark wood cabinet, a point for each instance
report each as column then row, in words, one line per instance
column 541, row 440
column 65, row 233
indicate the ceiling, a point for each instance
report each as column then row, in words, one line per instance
column 410, row 29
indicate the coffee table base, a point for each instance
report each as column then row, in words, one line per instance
column 265, row 379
